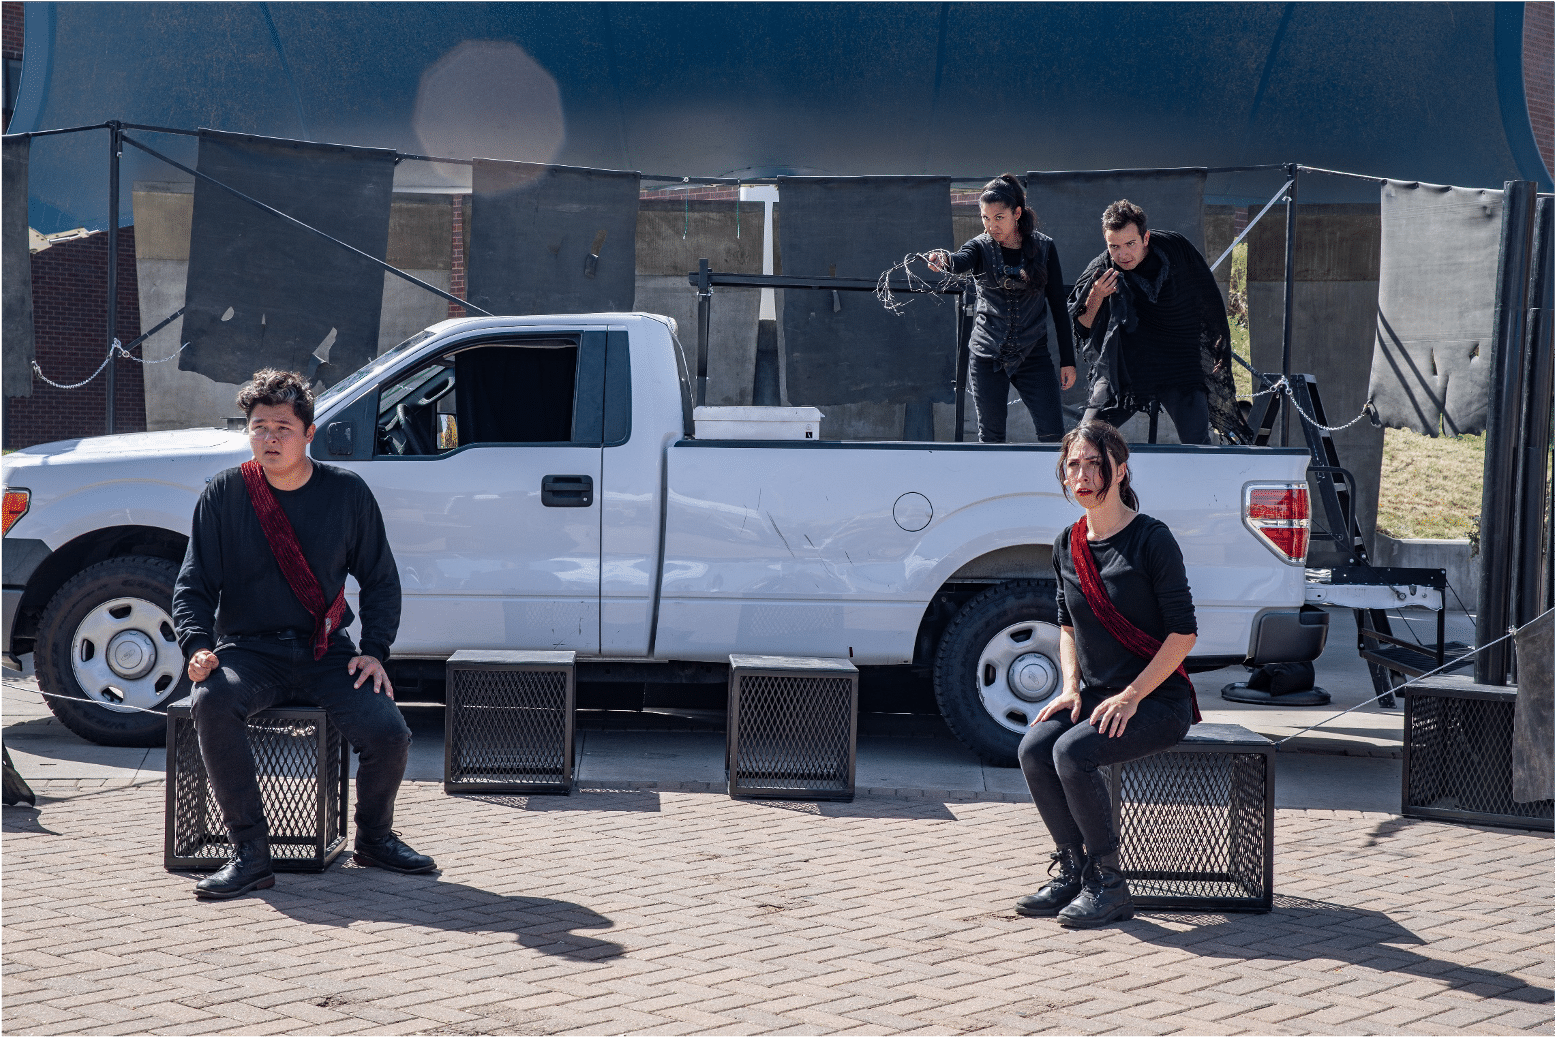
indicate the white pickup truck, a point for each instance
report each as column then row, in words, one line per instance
column 543, row 489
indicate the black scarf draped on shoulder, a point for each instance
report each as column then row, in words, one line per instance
column 1102, row 346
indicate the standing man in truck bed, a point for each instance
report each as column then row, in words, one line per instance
column 1154, row 324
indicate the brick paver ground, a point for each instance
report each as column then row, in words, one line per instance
column 668, row 910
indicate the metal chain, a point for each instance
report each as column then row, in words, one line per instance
column 1283, row 386
column 117, row 349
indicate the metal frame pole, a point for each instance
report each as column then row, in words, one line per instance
column 112, row 382
column 704, row 316
column 1499, row 552
column 1288, row 292
column 962, row 360
column 1534, row 447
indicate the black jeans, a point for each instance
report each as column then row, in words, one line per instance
column 1038, row 385
column 1062, row 760
column 258, row 674
column 1189, row 409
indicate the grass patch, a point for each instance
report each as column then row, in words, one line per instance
column 1237, row 318
column 1430, row 487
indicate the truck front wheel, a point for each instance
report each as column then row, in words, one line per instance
column 997, row 664
column 106, row 655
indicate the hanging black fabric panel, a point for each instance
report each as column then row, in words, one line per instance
column 1533, row 776
column 552, row 239
column 1437, row 275
column 1069, row 208
column 16, row 273
column 845, row 347
column 288, row 291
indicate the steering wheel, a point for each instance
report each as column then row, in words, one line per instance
column 413, row 433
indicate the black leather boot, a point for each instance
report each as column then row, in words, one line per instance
column 1104, row 896
column 248, row 870
column 392, row 854
column 1061, row 888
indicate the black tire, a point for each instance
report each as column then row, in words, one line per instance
column 961, row 682
column 149, row 581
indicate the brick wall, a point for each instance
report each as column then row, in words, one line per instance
column 10, row 29
column 456, row 272
column 1540, row 76
column 70, row 308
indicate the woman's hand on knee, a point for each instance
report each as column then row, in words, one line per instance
column 1069, row 699
column 1112, row 714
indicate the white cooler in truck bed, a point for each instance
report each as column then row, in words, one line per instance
column 757, row 422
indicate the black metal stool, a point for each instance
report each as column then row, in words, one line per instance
column 508, row 725
column 793, row 727
column 301, row 761
column 1196, row 823
column 1459, row 756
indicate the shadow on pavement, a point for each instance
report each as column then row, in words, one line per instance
column 866, row 806
column 26, row 819
column 347, row 893
column 1300, row 930
column 636, row 800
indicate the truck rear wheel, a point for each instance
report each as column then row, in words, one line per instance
column 997, row 664
column 106, row 654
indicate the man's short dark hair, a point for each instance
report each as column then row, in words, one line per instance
column 1121, row 214
column 272, row 388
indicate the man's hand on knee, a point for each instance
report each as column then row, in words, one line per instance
column 201, row 664
column 370, row 667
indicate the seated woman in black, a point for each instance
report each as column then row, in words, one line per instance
column 1126, row 621
column 1018, row 281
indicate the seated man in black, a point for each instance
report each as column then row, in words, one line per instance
column 272, row 543
column 1154, row 326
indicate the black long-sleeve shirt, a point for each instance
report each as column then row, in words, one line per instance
column 969, row 260
column 1141, row 568
column 230, row 584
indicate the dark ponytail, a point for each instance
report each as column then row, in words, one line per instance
column 1113, row 450
column 1006, row 190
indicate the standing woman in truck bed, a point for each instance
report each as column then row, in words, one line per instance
column 1126, row 621
column 1016, row 274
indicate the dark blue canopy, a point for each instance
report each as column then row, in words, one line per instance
column 1421, row 91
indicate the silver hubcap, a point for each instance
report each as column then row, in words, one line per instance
column 1018, row 671
column 1034, row 677
column 131, row 654
column 125, row 655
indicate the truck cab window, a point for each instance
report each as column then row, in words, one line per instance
column 486, row 394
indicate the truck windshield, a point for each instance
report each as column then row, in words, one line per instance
column 368, row 370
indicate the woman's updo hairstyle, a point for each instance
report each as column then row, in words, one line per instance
column 1112, row 450
column 1006, row 190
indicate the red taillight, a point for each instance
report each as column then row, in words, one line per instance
column 1278, row 514
column 16, row 504
column 1271, row 503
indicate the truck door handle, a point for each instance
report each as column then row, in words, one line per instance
column 567, row 491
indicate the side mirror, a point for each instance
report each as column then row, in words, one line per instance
column 348, row 433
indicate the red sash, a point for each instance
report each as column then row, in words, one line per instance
column 289, row 556
column 1130, row 636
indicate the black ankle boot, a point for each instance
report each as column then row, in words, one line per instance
column 391, row 853
column 1104, row 895
column 248, row 870
column 1060, row 890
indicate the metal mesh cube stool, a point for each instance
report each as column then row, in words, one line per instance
column 301, row 761
column 508, row 725
column 1196, row 823
column 793, row 727
column 1458, row 762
